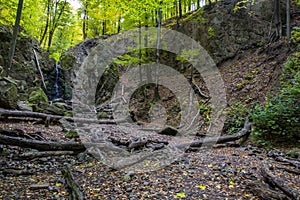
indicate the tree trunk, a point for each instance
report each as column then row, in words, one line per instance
column 75, row 192
column 55, row 23
column 277, row 19
column 180, row 8
column 288, row 20
column 47, row 24
column 15, row 35
column 119, row 24
column 84, row 23
column 280, row 184
column 103, row 27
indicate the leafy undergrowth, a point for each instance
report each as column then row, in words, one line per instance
column 218, row 173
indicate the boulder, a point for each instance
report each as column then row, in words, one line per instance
column 38, row 96
column 8, row 94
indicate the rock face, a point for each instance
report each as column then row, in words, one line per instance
column 224, row 31
column 24, row 67
column 72, row 60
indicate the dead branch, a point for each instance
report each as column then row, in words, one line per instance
column 75, row 192
column 279, row 183
column 294, row 163
column 39, row 186
column 292, row 171
column 49, row 117
column 17, row 172
column 41, row 145
column 217, row 140
column 31, row 155
column 264, row 193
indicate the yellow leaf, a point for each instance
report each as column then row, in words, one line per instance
column 180, row 195
column 202, row 187
column 246, row 195
column 231, row 183
column 58, row 184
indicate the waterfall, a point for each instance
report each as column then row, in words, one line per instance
column 56, row 80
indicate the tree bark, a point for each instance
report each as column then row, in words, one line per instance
column 28, row 114
column 75, row 192
column 31, row 155
column 277, row 182
column 217, row 140
column 288, row 20
column 41, row 145
column 277, row 19
column 15, row 35
column 84, row 23
column 47, row 23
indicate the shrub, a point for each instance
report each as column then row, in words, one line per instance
column 236, row 117
column 279, row 119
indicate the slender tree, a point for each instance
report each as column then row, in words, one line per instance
column 277, row 19
column 15, row 34
column 288, row 19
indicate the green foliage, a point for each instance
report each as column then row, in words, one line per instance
column 211, row 32
column 243, row 4
column 279, row 119
column 236, row 116
column 205, row 111
column 295, row 35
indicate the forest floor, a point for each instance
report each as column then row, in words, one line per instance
column 218, row 173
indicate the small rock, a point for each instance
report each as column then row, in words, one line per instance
column 168, row 131
column 127, row 178
column 146, row 183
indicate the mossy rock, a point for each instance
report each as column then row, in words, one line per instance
column 68, row 114
column 72, row 134
column 38, row 96
column 8, row 95
column 49, row 109
column 102, row 115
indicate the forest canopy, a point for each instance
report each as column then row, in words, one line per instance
column 58, row 25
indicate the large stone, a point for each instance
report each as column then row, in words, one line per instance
column 8, row 94
column 38, row 96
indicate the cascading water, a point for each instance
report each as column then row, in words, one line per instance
column 56, row 80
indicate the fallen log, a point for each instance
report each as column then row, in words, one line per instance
column 292, row 171
column 39, row 186
column 279, row 183
column 53, row 118
column 41, row 145
column 294, row 163
column 17, row 172
column 263, row 192
column 75, row 192
column 217, row 140
column 38, row 154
